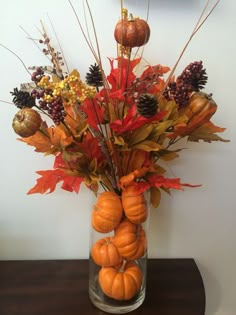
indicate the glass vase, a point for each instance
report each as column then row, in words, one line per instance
column 118, row 251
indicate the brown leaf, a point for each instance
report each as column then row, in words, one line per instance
column 207, row 133
column 155, row 196
column 140, row 134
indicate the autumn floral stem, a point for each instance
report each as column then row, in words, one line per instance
column 104, row 142
column 60, row 47
column 196, row 28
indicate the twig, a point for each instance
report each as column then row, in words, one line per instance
column 55, row 34
column 195, row 30
column 16, row 57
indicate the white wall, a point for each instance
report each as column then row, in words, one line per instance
column 196, row 223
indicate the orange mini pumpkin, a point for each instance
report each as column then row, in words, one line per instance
column 121, row 284
column 130, row 240
column 105, row 253
column 133, row 32
column 107, row 212
column 200, row 103
column 134, row 205
column 26, row 122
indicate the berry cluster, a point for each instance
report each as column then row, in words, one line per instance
column 37, row 75
column 192, row 79
column 54, row 106
column 194, row 75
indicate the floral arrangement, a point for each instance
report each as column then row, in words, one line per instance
column 115, row 132
column 111, row 131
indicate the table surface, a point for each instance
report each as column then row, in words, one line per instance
column 60, row 287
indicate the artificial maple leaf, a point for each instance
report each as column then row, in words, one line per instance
column 47, row 182
column 158, row 70
column 91, row 147
column 207, row 133
column 50, row 178
column 39, row 140
column 93, row 111
column 72, row 183
column 160, row 181
column 121, row 77
column 132, row 121
column 58, row 137
column 167, row 183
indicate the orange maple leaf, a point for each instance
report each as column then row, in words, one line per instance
column 50, row 178
column 39, row 140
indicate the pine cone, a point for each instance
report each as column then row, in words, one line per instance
column 147, row 105
column 94, row 76
column 194, row 75
column 22, row 99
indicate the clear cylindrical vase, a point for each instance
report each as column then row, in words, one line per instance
column 118, row 251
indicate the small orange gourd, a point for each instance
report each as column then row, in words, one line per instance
column 107, row 212
column 200, row 103
column 130, row 240
column 121, row 284
column 134, row 205
column 133, row 32
column 105, row 253
column 26, row 122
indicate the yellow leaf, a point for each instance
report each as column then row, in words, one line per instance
column 148, row 146
column 159, row 129
column 119, row 140
column 167, row 155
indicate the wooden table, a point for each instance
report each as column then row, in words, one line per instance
column 60, row 287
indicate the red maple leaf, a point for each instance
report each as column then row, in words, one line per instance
column 91, row 147
column 93, row 111
column 121, row 77
column 132, row 121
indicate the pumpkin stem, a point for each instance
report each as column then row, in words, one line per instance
column 131, row 17
column 122, row 268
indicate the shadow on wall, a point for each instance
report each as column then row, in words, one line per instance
column 212, row 289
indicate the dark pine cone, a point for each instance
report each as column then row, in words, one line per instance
column 147, row 105
column 22, row 98
column 94, row 76
column 194, row 75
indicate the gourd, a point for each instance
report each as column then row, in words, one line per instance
column 134, row 205
column 26, row 122
column 123, row 283
column 105, row 253
column 130, row 240
column 107, row 212
column 133, row 32
column 199, row 104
